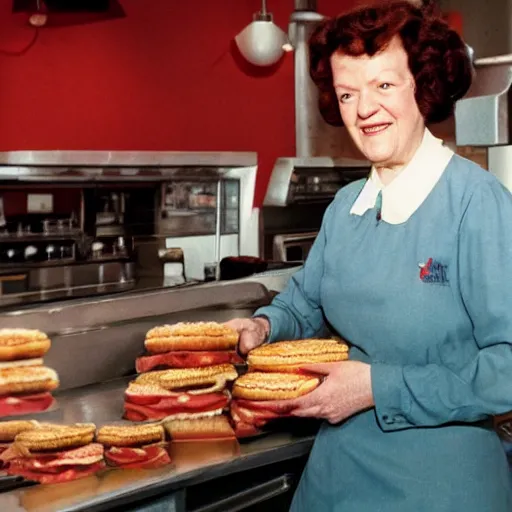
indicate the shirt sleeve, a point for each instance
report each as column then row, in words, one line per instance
column 430, row 395
column 296, row 313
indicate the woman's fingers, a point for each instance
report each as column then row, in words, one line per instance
column 252, row 333
column 320, row 368
column 248, row 340
column 310, row 412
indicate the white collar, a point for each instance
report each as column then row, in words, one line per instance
column 404, row 195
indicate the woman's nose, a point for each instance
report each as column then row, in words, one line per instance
column 367, row 105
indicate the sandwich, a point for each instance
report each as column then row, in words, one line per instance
column 188, row 345
column 9, row 430
column 254, row 394
column 26, row 389
column 213, row 429
column 184, row 393
column 25, row 384
column 289, row 356
column 134, row 446
column 55, row 453
column 23, row 344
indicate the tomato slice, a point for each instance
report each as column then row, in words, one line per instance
column 169, row 406
column 250, row 416
column 186, row 359
column 146, row 457
column 65, row 473
column 15, row 405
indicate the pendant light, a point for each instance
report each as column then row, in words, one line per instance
column 262, row 42
column 39, row 18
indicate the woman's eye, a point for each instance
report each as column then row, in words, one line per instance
column 385, row 86
column 345, row 97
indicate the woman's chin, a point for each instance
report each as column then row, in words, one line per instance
column 378, row 157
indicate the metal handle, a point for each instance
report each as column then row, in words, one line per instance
column 494, row 61
column 245, row 499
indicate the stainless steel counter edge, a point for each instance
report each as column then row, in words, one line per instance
column 64, row 317
column 294, row 449
column 130, row 158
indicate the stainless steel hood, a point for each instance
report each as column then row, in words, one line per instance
column 482, row 117
column 78, row 166
column 307, row 179
column 318, row 144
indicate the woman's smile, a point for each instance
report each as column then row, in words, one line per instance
column 374, row 129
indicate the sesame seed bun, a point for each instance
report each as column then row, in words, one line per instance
column 273, row 386
column 286, row 356
column 191, row 336
column 22, row 344
column 130, row 435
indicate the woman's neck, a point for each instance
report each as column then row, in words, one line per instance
column 388, row 172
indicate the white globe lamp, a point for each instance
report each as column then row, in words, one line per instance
column 262, row 42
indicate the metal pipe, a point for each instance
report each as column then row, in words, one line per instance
column 494, row 61
column 305, row 5
column 304, row 113
column 218, row 218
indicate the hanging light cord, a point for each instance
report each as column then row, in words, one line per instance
column 29, row 45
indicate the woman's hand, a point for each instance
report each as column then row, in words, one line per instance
column 345, row 391
column 253, row 332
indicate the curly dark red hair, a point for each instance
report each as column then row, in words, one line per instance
column 438, row 58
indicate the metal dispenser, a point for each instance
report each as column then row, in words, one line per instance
column 483, row 118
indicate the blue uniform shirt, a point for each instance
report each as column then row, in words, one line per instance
column 428, row 303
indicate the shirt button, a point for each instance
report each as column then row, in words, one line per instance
column 386, row 419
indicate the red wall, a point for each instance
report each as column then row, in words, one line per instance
column 165, row 78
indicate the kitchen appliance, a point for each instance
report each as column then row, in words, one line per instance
column 483, row 117
column 81, row 223
column 299, row 191
column 302, row 187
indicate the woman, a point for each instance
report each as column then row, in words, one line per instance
column 413, row 267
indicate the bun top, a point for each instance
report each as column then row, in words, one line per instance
column 130, row 435
column 10, row 429
column 298, row 348
column 191, row 329
column 182, row 377
column 12, row 337
column 19, row 374
column 273, row 381
column 56, row 437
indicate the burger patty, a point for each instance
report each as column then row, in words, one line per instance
column 186, row 359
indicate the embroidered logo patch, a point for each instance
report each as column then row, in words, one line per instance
column 433, row 272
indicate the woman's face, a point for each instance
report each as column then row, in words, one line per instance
column 377, row 104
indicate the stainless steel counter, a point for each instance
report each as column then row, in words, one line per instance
column 94, row 346
column 193, row 463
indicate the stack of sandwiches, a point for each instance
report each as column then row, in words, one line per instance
column 188, row 345
column 192, row 392
column 275, row 374
column 25, row 384
column 134, row 446
column 191, row 401
column 54, row 453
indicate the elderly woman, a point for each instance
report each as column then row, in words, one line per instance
column 413, row 267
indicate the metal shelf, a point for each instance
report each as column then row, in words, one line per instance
column 39, row 237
